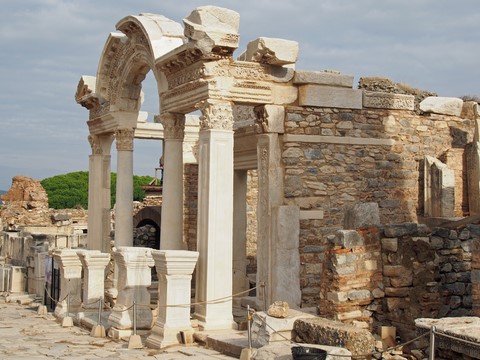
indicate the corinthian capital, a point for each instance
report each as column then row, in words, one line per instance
column 216, row 115
column 173, row 125
column 95, row 144
column 124, row 139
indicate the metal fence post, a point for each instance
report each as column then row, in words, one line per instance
column 431, row 355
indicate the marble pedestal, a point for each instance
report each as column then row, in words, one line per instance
column 94, row 263
column 174, row 269
column 134, row 277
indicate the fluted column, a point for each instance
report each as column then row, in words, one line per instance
column 215, row 215
column 99, row 193
column 124, row 191
column 171, row 236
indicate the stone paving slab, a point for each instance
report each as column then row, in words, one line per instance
column 26, row 335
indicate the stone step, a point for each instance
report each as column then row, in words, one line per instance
column 229, row 343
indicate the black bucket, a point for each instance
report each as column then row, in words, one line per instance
column 308, row 353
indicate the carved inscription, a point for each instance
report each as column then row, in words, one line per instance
column 380, row 100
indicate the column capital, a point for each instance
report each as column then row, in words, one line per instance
column 216, row 115
column 124, row 139
column 173, row 125
column 95, row 144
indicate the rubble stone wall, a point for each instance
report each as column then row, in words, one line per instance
column 334, row 158
column 392, row 276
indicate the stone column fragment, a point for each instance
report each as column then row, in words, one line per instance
column 174, row 269
column 134, row 278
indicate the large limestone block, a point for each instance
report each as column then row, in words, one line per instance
column 329, row 96
column 213, row 26
column 442, row 105
column 362, row 215
column 381, row 100
column 332, row 333
column 326, row 77
column 272, row 51
column 267, row 329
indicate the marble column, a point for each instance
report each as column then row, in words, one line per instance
column 99, row 224
column 174, row 269
column 94, row 263
column 70, row 281
column 171, row 236
column 134, row 278
column 240, row 280
column 124, row 191
column 215, row 216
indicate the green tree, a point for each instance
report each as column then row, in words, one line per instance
column 70, row 190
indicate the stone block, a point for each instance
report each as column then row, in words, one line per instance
column 270, row 118
column 213, row 26
column 348, row 239
column 362, row 215
column 381, row 100
column 267, row 329
column 329, row 78
column 359, row 295
column 333, row 333
column 397, row 291
column 442, row 105
column 329, row 96
column 397, row 230
column 390, row 244
column 272, row 51
column 393, row 270
column 337, row 296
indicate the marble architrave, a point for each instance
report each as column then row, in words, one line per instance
column 329, row 96
column 174, row 269
column 134, row 278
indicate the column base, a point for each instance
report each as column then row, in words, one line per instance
column 123, row 320
column 162, row 337
column 119, row 334
column 215, row 324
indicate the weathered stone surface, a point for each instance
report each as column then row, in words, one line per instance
column 272, row 51
column 279, row 309
column 396, row 230
column 362, row 215
column 381, row 100
column 267, row 329
column 442, row 105
column 329, row 96
column 332, row 333
column 212, row 26
column 390, row 244
column 348, row 239
column 326, row 77
column 27, row 193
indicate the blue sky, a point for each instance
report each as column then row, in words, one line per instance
column 46, row 45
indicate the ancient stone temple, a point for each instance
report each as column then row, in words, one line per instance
column 336, row 163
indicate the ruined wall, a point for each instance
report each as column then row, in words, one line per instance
column 252, row 200
column 393, row 275
column 323, row 171
column 190, row 200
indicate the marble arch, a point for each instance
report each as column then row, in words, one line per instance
column 239, row 101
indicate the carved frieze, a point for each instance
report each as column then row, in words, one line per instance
column 243, row 116
column 216, row 115
column 173, row 125
column 124, row 139
column 99, row 110
column 381, row 100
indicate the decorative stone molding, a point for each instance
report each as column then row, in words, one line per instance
column 216, row 115
column 380, row 100
column 124, row 139
column 173, row 125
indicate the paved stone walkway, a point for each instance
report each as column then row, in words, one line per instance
column 26, row 335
